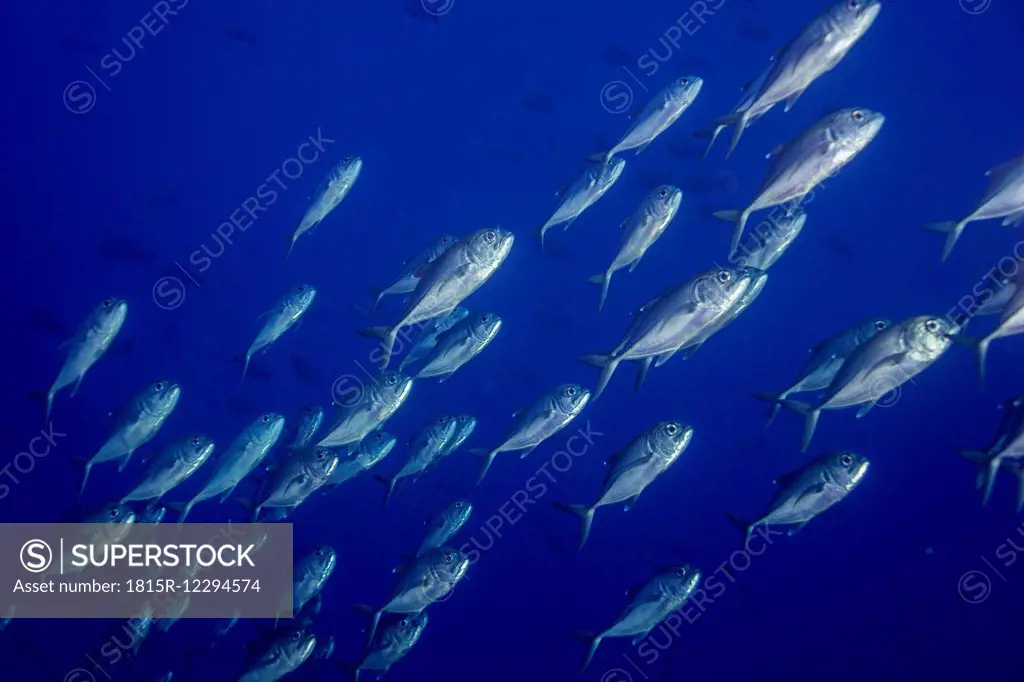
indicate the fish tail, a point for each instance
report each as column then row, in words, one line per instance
column 86, row 469
column 988, row 466
column 601, row 157
column 739, row 221
column 387, row 336
column 1019, row 473
column 291, row 245
column 744, row 525
column 711, row 136
column 488, row 457
column 982, row 347
column 605, row 280
column 49, row 405
column 809, row 412
column 739, row 123
column 543, row 230
column 388, row 483
column 593, row 640
column 952, row 229
column 774, row 399
column 585, row 514
column 608, row 366
column 185, row 509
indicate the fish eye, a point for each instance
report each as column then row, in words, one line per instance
column 159, row 386
column 671, row 429
column 932, row 326
column 570, row 391
column 404, row 623
column 857, row 115
column 296, row 636
column 310, row 410
column 880, row 325
column 458, row 505
column 195, row 441
column 484, row 319
column 445, row 240
column 449, row 557
column 107, row 303
column 684, row 81
column 489, row 236
column 346, row 159
column 442, row 420
column 463, row 419
column 379, row 435
column 320, row 454
column 663, row 193
column 681, row 572
column 299, row 289
column 853, row 4
column 265, row 419
column 392, row 380
column 113, row 513
column 724, row 276
column 846, row 460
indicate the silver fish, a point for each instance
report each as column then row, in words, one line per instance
column 431, row 333
column 750, row 92
column 672, row 320
column 826, row 359
column 280, row 319
column 633, row 469
column 88, row 345
column 464, row 427
column 425, row 449
column 325, row 649
column 769, row 239
column 136, row 424
column 395, row 642
column 445, row 525
column 879, row 367
column 807, row 492
column 802, row 164
column 456, row 274
column 758, row 278
column 294, row 479
column 429, row 578
column 152, row 515
column 1004, row 198
column 379, row 401
column 661, row 112
column 243, row 455
column 584, row 192
column 171, row 467
column 1006, row 452
column 328, row 195
column 311, row 574
column 639, row 232
column 410, row 277
column 535, row 424
column 459, row 345
column 652, row 603
column 998, row 300
column 309, row 421
column 367, row 454
column 1011, row 323
column 819, row 47
column 287, row 651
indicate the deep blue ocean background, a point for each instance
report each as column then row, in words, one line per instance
column 476, row 119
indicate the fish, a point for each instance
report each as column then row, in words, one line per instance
column 136, row 423
column 878, row 367
column 414, row 266
column 324, row 649
column 1011, row 323
column 581, row 194
column 307, row 424
column 807, row 492
column 171, row 468
column 652, row 603
column 88, row 345
column 639, row 232
column 311, row 574
column 293, row 480
column 428, row 444
column 394, row 643
column 151, row 515
column 334, row 188
column 550, row 414
column 243, row 455
column 464, row 426
column 448, row 281
column 1006, row 451
column 818, row 49
column 379, row 401
column 1003, row 198
column 672, row 320
column 758, row 278
column 280, row 319
column 108, row 525
column 446, row 524
column 996, row 303
column 633, row 469
column 429, row 335
column 800, row 165
column 827, row 357
column 365, row 456
column 661, row 112
column 763, row 247
column 459, row 345
column 429, row 578
column 287, row 650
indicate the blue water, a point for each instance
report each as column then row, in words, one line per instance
column 475, row 120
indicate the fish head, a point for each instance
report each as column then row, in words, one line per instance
column 151, row 515
column 757, row 279
column 684, row 90
column 195, row 449
column 161, row 397
column 408, row 630
column 311, row 418
column 322, row 562
column 846, row 468
column 669, row 439
column 853, row 18
column 929, row 337
column 346, row 172
column 466, row 424
column 485, row 326
column 868, row 329
column 109, row 315
column 451, row 565
column 113, row 513
column 790, row 221
column 393, row 388
column 446, row 322
column 458, row 513
column 443, row 243
column 377, row 445
column 488, row 248
column 442, row 429
column 855, row 127
column 266, row 429
column 300, row 298
column 610, row 170
column 323, row 463
column 665, row 200
column 295, row 646
column 679, row 581
column 722, row 287
column 571, row 398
